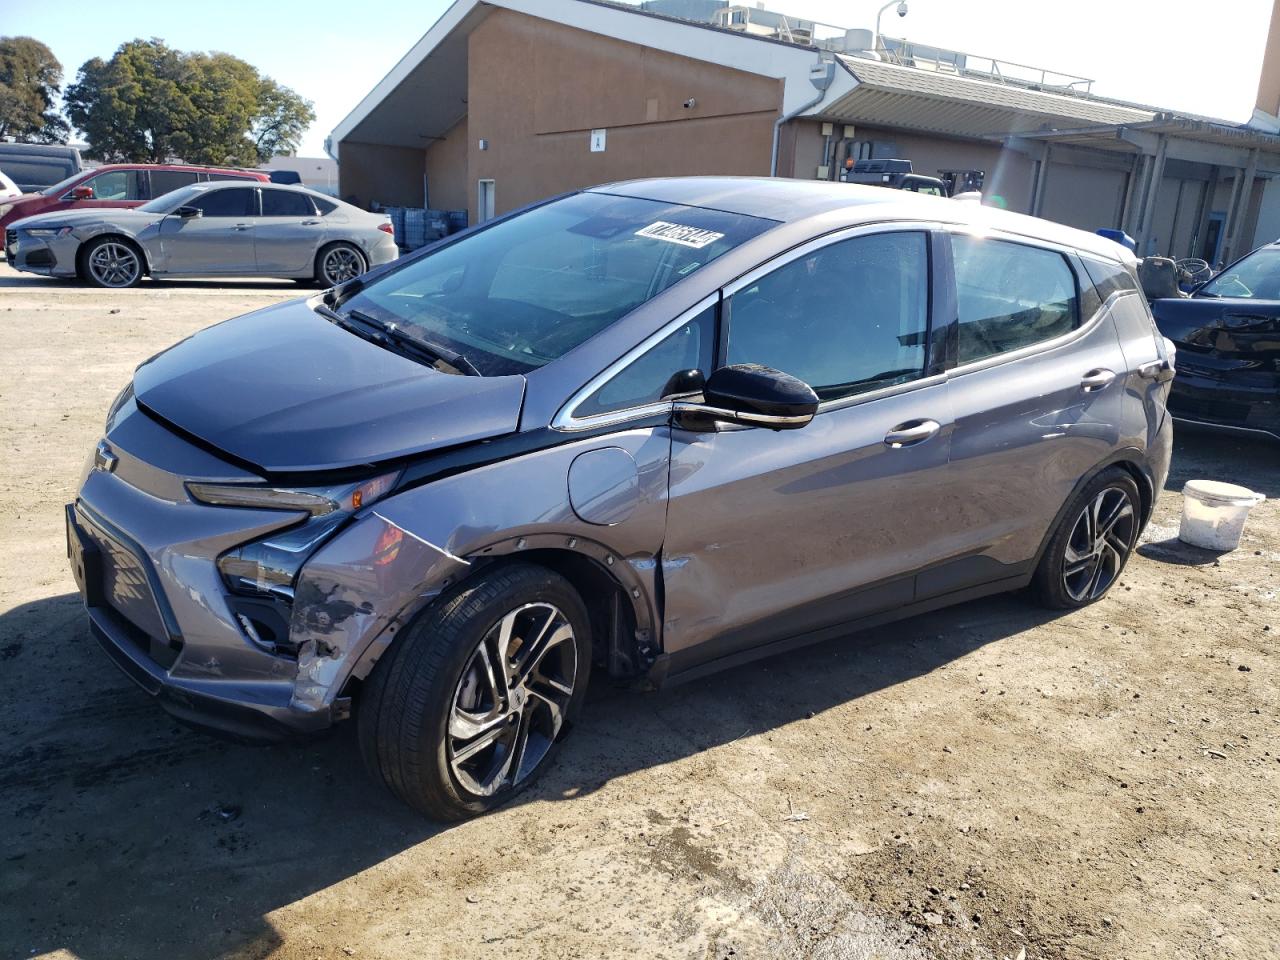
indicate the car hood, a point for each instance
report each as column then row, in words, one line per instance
column 286, row 391
column 1229, row 327
column 128, row 217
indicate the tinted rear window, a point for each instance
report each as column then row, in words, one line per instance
column 1109, row 277
column 163, row 181
column 286, row 203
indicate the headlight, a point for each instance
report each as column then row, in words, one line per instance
column 47, row 231
column 270, row 566
column 123, row 397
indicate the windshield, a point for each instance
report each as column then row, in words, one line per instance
column 526, row 291
column 168, row 202
column 62, row 186
column 1256, row 277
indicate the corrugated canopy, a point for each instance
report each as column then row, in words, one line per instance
column 939, row 102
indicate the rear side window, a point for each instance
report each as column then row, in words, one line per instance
column 237, row 202
column 286, row 203
column 1010, row 296
column 847, row 318
column 219, row 175
column 642, row 381
column 163, row 181
column 1108, row 277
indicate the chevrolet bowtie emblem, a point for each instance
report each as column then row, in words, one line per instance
column 103, row 458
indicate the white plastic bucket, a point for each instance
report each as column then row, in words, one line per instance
column 1213, row 513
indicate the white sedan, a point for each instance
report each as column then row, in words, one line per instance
column 219, row 228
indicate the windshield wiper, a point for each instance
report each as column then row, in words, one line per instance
column 420, row 346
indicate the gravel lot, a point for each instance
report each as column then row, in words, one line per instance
column 974, row 783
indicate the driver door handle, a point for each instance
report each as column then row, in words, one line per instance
column 910, row 433
column 243, row 226
column 1096, row 380
column 309, row 223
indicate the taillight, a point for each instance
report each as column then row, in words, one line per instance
column 387, row 228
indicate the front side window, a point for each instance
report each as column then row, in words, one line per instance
column 644, row 380
column 237, row 202
column 115, row 185
column 1256, row 277
column 1010, row 296
column 527, row 290
column 847, row 318
column 163, row 181
column 286, row 203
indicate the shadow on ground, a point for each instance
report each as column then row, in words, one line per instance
column 128, row 834
column 124, row 834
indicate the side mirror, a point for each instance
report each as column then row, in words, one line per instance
column 684, row 382
column 754, row 396
column 83, row 192
column 189, row 212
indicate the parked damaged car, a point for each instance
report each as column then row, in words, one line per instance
column 216, row 228
column 1227, row 333
column 648, row 430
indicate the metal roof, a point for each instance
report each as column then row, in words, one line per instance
column 1186, row 128
column 940, row 102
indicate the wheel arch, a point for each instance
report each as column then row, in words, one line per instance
column 1130, row 460
column 82, row 251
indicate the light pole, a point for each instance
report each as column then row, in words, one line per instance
column 902, row 12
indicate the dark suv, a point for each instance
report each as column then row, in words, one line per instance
column 654, row 429
column 117, row 185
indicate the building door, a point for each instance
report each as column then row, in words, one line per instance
column 484, row 202
column 1212, row 245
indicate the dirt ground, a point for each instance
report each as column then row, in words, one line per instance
column 980, row 782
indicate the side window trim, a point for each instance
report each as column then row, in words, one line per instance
column 565, row 419
column 934, row 369
column 1083, row 324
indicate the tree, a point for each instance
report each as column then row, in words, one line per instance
column 151, row 103
column 30, row 78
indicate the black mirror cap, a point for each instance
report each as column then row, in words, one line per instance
column 684, row 382
column 189, row 212
column 755, row 388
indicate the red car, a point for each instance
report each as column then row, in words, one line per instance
column 116, row 185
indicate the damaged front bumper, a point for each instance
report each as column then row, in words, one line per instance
column 145, row 557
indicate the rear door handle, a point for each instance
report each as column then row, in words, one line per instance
column 243, row 226
column 309, row 223
column 910, row 433
column 1158, row 370
column 1095, row 380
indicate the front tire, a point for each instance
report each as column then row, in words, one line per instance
column 111, row 262
column 1092, row 544
column 466, row 708
column 339, row 262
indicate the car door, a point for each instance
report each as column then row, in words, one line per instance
column 288, row 233
column 1037, row 386
column 774, row 534
column 219, row 241
column 166, row 181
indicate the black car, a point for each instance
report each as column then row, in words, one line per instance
column 1228, row 337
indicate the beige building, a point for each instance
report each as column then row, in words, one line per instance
column 504, row 102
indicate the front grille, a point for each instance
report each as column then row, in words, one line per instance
column 11, row 244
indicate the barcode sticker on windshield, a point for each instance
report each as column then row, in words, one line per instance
column 694, row 237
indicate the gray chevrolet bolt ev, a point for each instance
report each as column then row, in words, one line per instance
column 652, row 429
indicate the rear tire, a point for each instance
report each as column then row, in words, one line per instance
column 339, row 262
column 466, row 708
column 1088, row 552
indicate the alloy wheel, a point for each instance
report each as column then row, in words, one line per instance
column 341, row 264
column 511, row 699
column 1100, row 542
column 114, row 264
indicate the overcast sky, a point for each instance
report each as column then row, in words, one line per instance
column 1187, row 55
